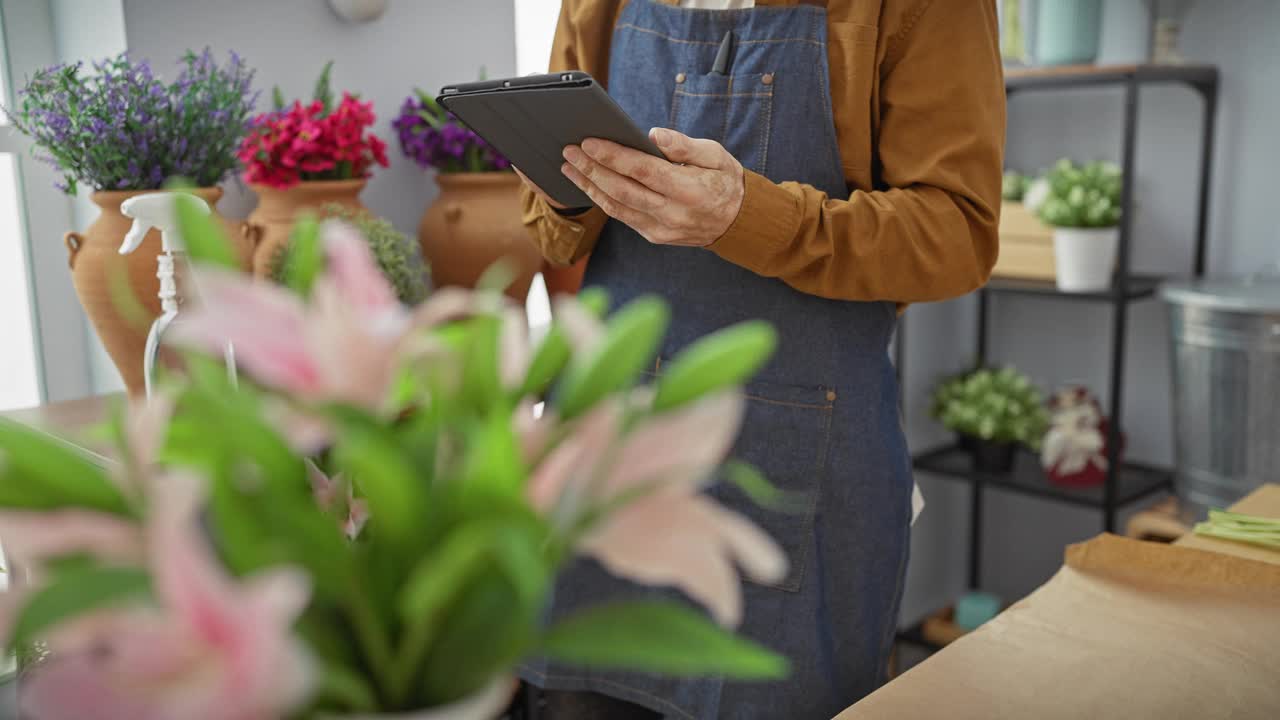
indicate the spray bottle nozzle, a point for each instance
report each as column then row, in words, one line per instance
column 158, row 210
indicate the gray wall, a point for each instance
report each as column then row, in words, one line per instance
column 1057, row 342
column 417, row 43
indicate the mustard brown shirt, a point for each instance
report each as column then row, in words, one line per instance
column 917, row 95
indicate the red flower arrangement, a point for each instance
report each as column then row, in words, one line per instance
column 312, row 142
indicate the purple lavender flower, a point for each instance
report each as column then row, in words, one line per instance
column 120, row 127
column 435, row 138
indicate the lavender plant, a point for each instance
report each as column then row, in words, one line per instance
column 120, row 127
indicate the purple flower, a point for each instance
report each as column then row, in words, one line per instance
column 434, row 138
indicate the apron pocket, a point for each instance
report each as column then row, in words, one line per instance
column 785, row 434
column 734, row 110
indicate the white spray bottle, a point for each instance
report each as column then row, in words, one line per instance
column 158, row 210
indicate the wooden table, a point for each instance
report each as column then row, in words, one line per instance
column 1125, row 629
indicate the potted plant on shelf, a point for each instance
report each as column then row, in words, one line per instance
column 120, row 130
column 396, row 255
column 375, row 527
column 475, row 220
column 993, row 412
column 1082, row 203
column 306, row 157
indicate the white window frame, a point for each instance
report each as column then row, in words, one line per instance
column 63, row 357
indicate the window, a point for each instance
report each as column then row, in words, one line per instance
column 19, row 376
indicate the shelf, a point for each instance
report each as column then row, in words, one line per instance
column 1140, row 287
column 914, row 635
column 1134, row 481
column 1032, row 78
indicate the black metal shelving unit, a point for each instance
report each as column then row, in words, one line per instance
column 1126, row 482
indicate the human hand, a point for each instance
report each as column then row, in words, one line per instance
column 690, row 199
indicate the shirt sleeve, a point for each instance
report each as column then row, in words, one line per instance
column 565, row 239
column 931, row 232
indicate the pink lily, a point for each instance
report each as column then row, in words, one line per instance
column 211, row 649
column 662, row 531
column 346, row 342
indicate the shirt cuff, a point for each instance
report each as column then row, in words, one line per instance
column 766, row 225
column 566, row 238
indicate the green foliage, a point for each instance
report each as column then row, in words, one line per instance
column 995, row 405
column 1014, row 186
column 72, row 593
column 657, row 637
column 1085, row 196
column 447, row 586
column 398, row 256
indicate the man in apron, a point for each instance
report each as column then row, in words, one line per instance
column 830, row 163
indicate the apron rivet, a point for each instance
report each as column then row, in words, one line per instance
column 680, row 77
column 767, row 79
column 831, row 396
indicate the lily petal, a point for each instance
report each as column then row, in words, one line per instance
column 353, row 269
column 679, row 448
column 30, row 537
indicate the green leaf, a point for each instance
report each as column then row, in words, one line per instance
column 74, row 593
column 493, row 466
column 595, row 300
column 322, row 91
column 346, row 687
column 202, row 238
column 724, row 358
column 39, row 472
column 551, row 357
column 497, row 277
column 630, row 342
column 441, row 574
column 306, row 255
column 659, row 637
column 480, row 380
column 756, row 486
column 385, row 478
column 278, row 102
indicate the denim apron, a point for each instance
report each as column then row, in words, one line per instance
column 822, row 420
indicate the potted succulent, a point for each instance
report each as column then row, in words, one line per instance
column 119, row 130
column 304, row 157
column 476, row 218
column 1083, row 204
column 396, row 255
column 369, row 521
column 993, row 412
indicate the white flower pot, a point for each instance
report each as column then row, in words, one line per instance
column 1086, row 257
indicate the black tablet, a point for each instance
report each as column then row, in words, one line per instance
column 531, row 120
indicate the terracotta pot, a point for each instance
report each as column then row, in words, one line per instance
column 564, row 279
column 267, row 228
column 474, row 222
column 96, row 263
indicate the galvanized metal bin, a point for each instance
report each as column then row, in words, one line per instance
column 1226, row 386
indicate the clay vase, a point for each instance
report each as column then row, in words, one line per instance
column 267, row 228
column 97, row 267
column 564, row 279
column 474, row 222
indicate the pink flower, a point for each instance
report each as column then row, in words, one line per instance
column 663, row 531
column 347, row 342
column 340, row 347
column 209, row 649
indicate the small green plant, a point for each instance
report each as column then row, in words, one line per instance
column 1081, row 196
column 1000, row 406
column 1014, row 186
column 397, row 256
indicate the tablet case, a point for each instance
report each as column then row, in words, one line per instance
column 531, row 119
